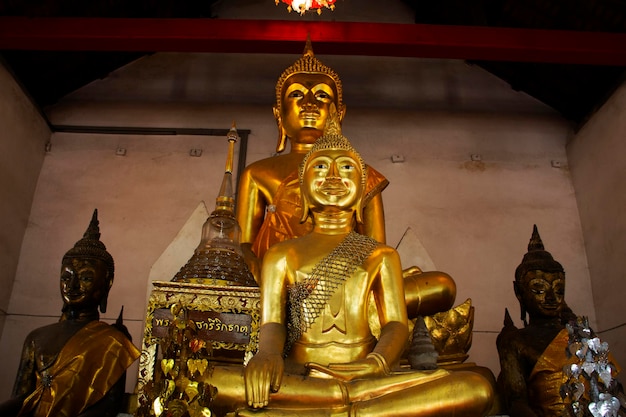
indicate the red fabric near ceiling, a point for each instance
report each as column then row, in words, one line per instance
column 344, row 38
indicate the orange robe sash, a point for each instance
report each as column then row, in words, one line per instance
column 89, row 364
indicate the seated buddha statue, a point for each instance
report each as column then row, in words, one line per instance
column 532, row 358
column 268, row 200
column 77, row 366
column 317, row 355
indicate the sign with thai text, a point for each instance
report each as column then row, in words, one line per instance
column 211, row 325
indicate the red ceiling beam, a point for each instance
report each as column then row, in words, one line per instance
column 345, row 38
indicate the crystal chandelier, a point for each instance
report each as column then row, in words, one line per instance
column 302, row 6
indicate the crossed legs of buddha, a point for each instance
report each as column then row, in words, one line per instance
column 430, row 393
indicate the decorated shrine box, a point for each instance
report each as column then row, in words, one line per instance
column 223, row 320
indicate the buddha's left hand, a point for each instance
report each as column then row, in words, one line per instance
column 371, row 366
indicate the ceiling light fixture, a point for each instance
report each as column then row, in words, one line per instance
column 302, row 6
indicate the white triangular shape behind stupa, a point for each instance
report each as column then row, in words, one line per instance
column 176, row 255
column 413, row 253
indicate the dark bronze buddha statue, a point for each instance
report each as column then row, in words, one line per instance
column 532, row 358
column 77, row 366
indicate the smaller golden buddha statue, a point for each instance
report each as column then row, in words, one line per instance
column 317, row 355
column 76, row 367
column 532, row 358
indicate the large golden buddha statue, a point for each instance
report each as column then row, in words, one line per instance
column 268, row 201
column 76, row 367
column 532, row 358
column 269, row 204
column 317, row 355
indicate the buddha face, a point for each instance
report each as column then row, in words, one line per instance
column 306, row 101
column 542, row 293
column 84, row 282
column 332, row 178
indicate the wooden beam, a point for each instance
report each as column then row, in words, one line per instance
column 343, row 38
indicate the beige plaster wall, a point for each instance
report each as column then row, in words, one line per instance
column 143, row 200
column 22, row 140
column 474, row 218
column 598, row 165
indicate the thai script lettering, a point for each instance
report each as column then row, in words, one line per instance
column 211, row 325
column 215, row 324
column 161, row 322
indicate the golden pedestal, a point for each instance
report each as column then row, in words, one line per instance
column 225, row 320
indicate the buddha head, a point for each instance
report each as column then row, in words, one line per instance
column 540, row 282
column 87, row 272
column 332, row 173
column 304, row 93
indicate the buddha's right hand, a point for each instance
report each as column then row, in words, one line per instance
column 263, row 373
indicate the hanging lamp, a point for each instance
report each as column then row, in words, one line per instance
column 303, row 6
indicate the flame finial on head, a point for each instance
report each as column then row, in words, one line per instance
column 537, row 258
column 90, row 246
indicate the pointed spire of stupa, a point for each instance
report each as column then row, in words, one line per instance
column 218, row 259
column 225, row 202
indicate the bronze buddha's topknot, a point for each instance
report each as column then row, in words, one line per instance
column 308, row 64
column 90, row 246
column 537, row 258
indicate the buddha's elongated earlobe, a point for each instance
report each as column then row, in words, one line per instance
column 359, row 211
column 306, row 211
column 105, row 296
column 282, row 135
column 518, row 293
column 103, row 303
